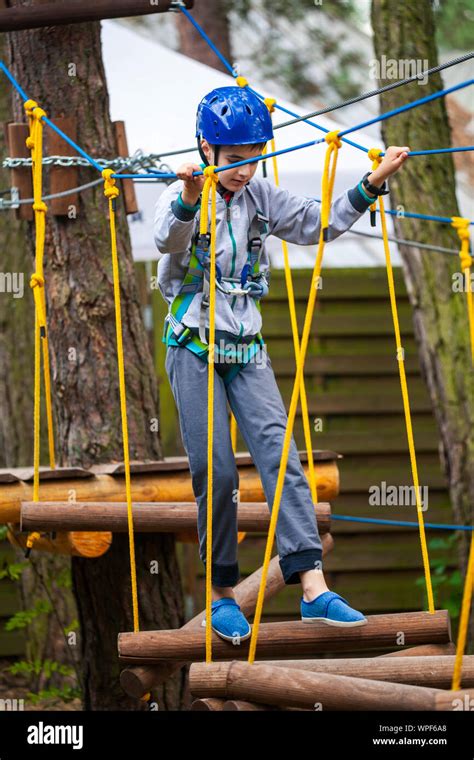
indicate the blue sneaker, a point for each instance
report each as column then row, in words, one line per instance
column 228, row 621
column 332, row 609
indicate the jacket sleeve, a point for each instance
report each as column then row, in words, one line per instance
column 297, row 219
column 173, row 224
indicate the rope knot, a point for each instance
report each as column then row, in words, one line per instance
column 29, row 142
column 374, row 155
column 332, row 138
column 36, row 281
column 29, row 106
column 40, row 206
column 461, row 225
column 210, row 171
column 242, row 82
column 110, row 189
column 270, row 104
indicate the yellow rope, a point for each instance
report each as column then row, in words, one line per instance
column 111, row 192
column 464, row 619
column 374, row 155
column 210, row 183
column 270, row 103
column 34, row 142
column 329, row 173
column 461, row 225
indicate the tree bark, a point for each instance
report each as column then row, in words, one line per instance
column 62, row 69
column 212, row 16
column 427, row 185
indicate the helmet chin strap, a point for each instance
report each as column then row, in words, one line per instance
column 203, row 155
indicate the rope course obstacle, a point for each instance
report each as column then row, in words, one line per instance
column 401, row 681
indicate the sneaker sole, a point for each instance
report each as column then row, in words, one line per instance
column 337, row 623
column 224, row 636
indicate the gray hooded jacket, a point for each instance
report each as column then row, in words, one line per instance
column 292, row 218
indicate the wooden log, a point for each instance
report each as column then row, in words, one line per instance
column 140, row 679
column 455, row 701
column 62, row 178
column 166, row 486
column 77, row 12
column 424, row 650
column 127, row 186
column 433, row 671
column 207, row 705
column 149, row 517
column 239, row 705
column 277, row 640
column 74, row 543
column 21, row 178
column 262, row 683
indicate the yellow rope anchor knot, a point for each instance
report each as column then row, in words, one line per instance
column 210, row 173
column 332, row 138
column 40, row 206
column 111, row 190
column 270, row 104
column 242, row 82
column 461, row 225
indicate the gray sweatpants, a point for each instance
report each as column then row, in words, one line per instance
column 258, row 408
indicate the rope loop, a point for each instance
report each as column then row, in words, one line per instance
column 461, row 225
column 110, row 188
column 332, row 138
column 40, row 206
column 374, row 155
column 36, row 280
column 210, row 173
column 29, row 106
column 242, row 82
column 270, row 104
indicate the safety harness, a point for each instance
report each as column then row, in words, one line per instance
column 197, row 279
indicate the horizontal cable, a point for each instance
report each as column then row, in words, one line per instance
column 403, row 523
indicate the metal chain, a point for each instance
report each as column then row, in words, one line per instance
column 140, row 160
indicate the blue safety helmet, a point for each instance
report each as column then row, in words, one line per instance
column 233, row 116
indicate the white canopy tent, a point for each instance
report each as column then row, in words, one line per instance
column 156, row 91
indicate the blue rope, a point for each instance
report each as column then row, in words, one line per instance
column 48, row 121
column 404, row 523
column 208, row 40
column 407, row 107
column 438, row 150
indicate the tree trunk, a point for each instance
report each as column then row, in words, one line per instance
column 62, row 69
column 212, row 16
column 44, row 578
column 427, row 185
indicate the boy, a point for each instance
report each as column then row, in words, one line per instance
column 235, row 125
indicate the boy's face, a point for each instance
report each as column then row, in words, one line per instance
column 233, row 179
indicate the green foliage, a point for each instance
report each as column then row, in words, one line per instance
column 3, row 532
column 37, row 667
column 54, row 695
column 454, row 24
column 12, row 570
column 293, row 64
column 24, row 618
column 449, row 584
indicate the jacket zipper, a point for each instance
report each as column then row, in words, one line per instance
column 234, row 246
